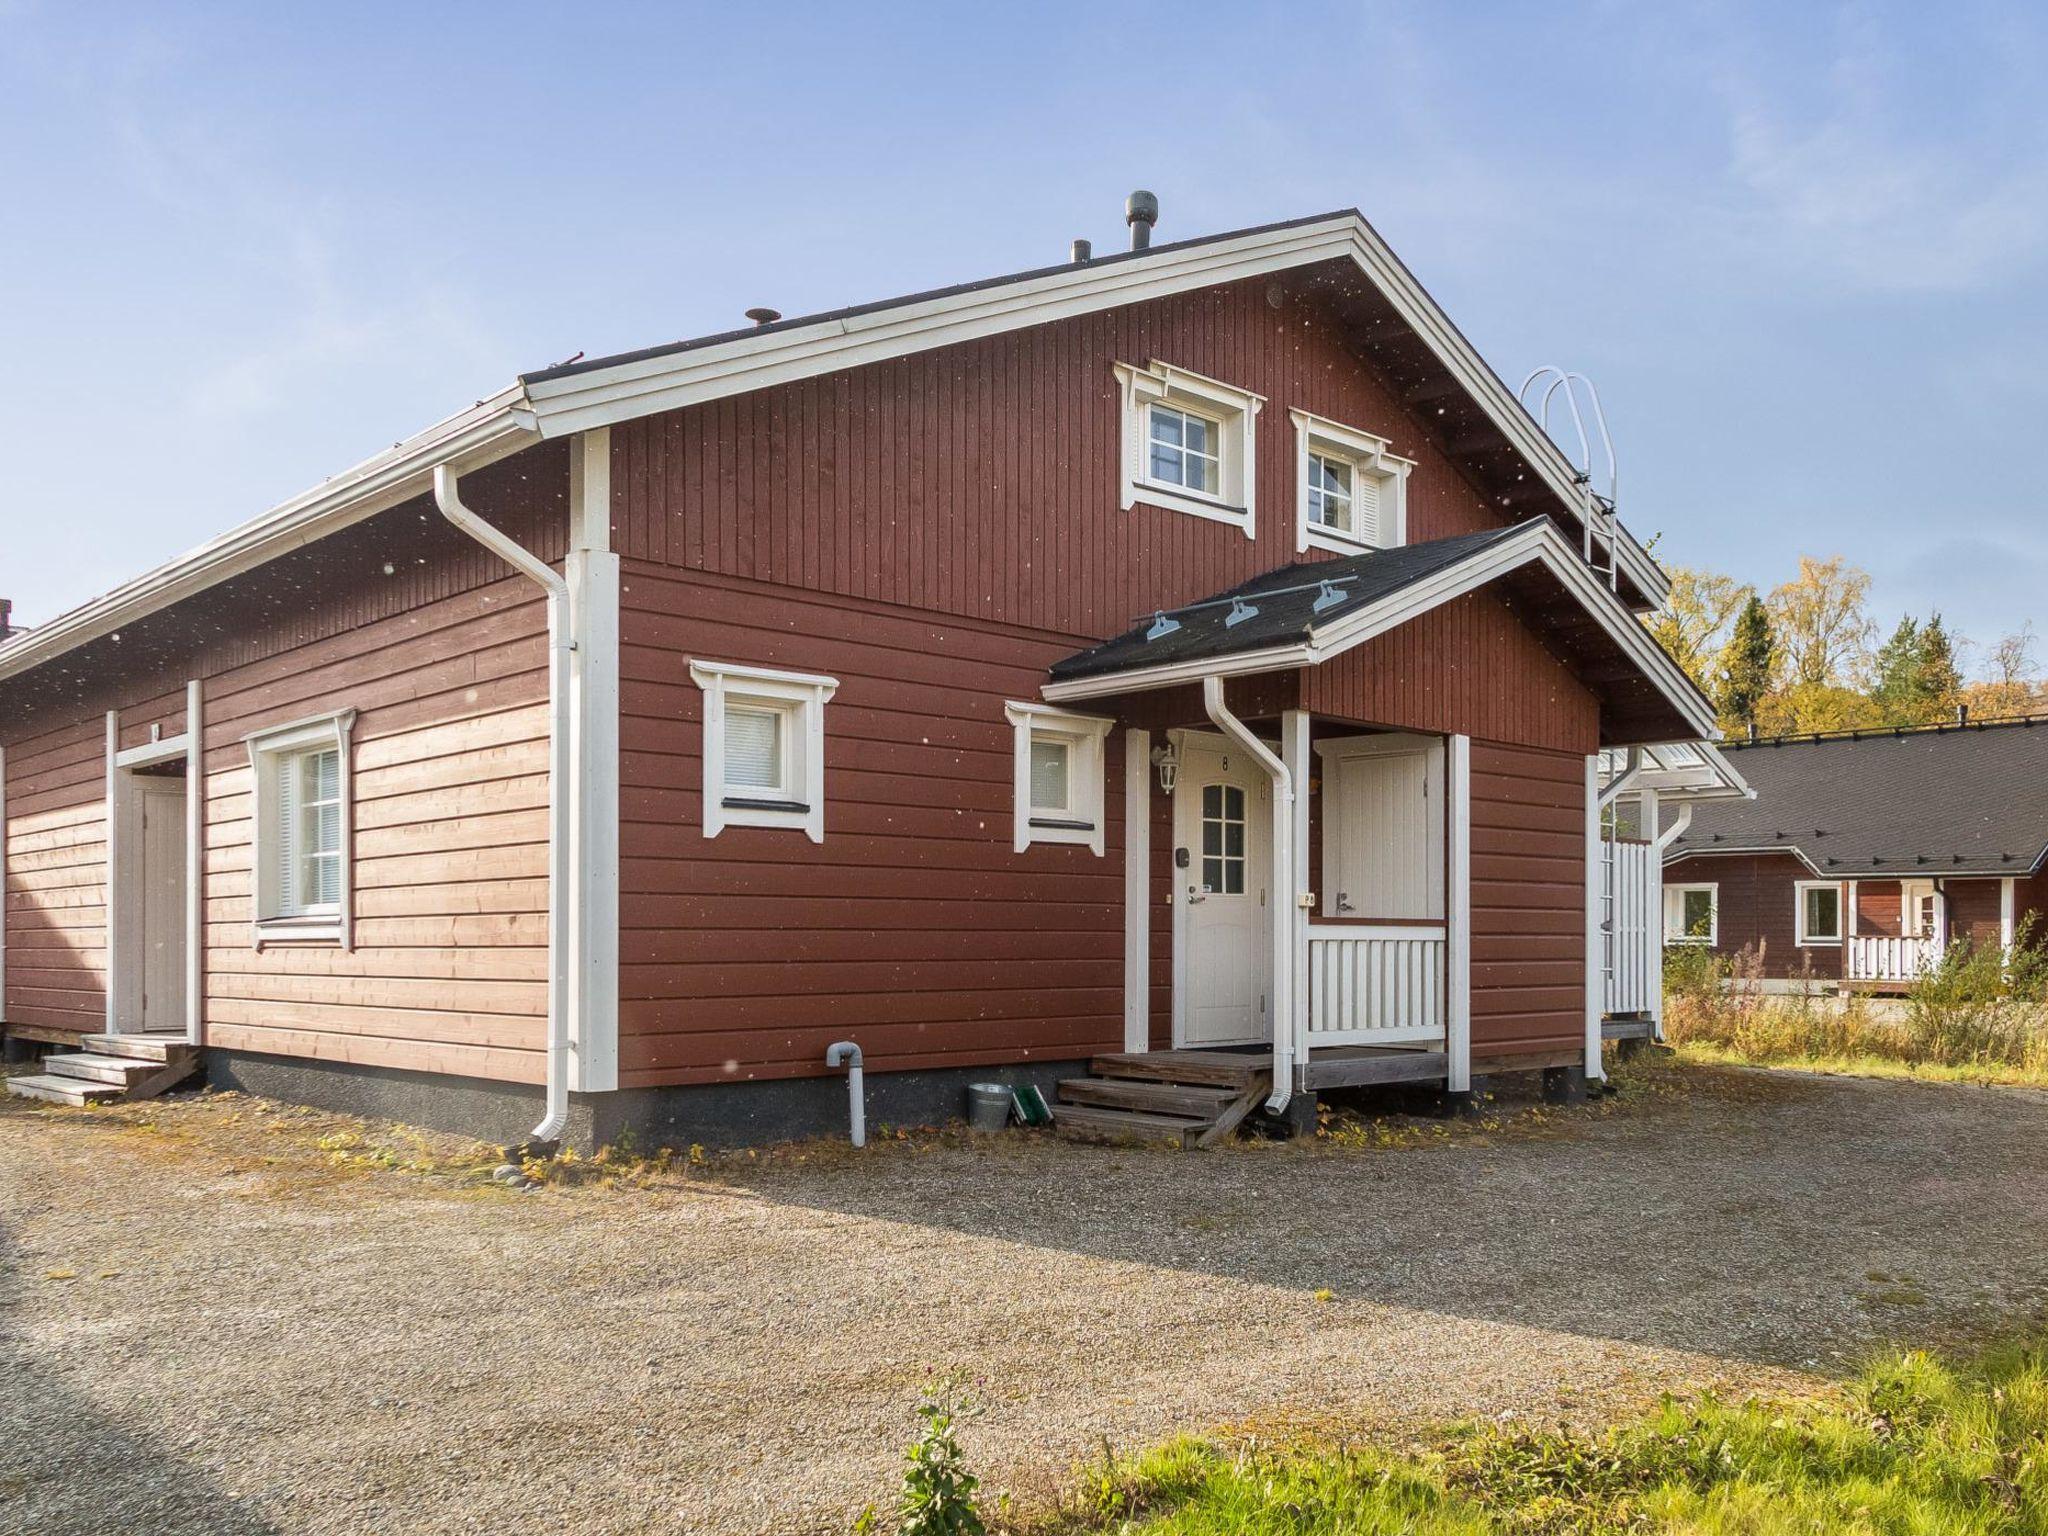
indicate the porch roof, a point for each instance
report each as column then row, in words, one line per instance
column 1310, row 611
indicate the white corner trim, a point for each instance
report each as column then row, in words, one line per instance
column 195, row 861
column 1138, row 890
column 1368, row 454
column 590, row 490
column 805, row 695
column 1085, row 735
column 266, row 925
column 593, row 576
column 3, row 885
column 117, row 937
column 1596, row 934
column 1458, row 937
column 1234, row 412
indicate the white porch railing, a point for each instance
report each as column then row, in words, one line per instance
column 1634, row 920
column 1885, row 959
column 1375, row 984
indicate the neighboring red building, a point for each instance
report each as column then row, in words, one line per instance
column 879, row 637
column 1865, row 854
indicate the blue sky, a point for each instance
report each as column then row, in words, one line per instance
column 1803, row 249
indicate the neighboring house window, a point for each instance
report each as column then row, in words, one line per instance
column 764, row 747
column 302, row 830
column 1059, row 776
column 1819, row 912
column 1188, row 444
column 1351, row 493
column 1692, row 914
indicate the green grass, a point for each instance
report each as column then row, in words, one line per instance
column 1912, row 1447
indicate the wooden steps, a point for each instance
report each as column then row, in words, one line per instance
column 1179, row 1098
column 110, row 1068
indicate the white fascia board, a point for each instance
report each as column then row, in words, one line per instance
column 1718, row 852
column 487, row 431
column 1538, row 541
column 643, row 386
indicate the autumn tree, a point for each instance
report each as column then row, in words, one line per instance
column 2011, row 681
column 1748, row 665
column 1694, row 623
column 1822, row 628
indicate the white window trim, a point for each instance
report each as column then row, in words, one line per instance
column 1086, row 733
column 1368, row 455
column 1236, row 413
column 1800, row 936
column 266, row 749
column 805, row 695
column 1713, row 934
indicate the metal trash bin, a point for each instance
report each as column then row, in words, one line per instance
column 988, row 1106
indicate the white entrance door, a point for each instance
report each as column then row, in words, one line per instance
column 1223, row 826
column 162, row 881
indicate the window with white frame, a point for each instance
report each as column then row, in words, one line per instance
column 764, row 747
column 1188, row 444
column 1059, row 776
column 1692, row 914
column 1351, row 492
column 302, row 825
column 1818, row 912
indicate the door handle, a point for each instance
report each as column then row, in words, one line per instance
column 1195, row 894
column 1344, row 901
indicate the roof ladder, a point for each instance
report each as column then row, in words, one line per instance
column 1597, row 512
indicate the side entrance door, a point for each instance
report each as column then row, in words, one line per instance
column 1223, row 827
column 162, row 877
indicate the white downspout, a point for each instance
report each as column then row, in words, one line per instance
column 562, row 769
column 1281, row 900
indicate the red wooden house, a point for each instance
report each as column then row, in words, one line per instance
column 1191, row 662
column 1866, row 854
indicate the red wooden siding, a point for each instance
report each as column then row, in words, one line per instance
column 1757, row 907
column 444, row 658
column 1974, row 908
column 1528, row 900
column 982, row 479
column 913, row 923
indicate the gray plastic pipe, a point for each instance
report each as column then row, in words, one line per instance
column 561, row 767
column 846, row 1054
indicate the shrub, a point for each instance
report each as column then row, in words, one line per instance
column 939, row 1496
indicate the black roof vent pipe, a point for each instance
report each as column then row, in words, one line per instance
column 1141, row 212
column 1083, row 250
column 764, row 316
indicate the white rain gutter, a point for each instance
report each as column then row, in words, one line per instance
column 563, row 769
column 1283, row 884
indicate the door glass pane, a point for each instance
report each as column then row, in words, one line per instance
column 1223, row 838
column 753, row 748
column 1049, row 776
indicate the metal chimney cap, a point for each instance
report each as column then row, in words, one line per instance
column 764, row 316
column 1141, row 207
column 1083, row 250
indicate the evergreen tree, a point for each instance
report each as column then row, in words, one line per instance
column 1748, row 665
column 1897, row 689
column 1941, row 680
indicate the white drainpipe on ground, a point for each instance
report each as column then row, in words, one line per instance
column 1280, row 903
column 562, row 773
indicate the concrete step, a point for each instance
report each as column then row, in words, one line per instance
column 153, row 1047
column 63, row 1090
column 1146, row 1096
column 94, row 1068
column 1087, row 1123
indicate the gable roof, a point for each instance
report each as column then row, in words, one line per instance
column 572, row 398
column 1307, row 613
column 1953, row 800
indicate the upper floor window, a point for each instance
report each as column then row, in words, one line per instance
column 1352, row 493
column 764, row 747
column 302, row 829
column 1188, row 444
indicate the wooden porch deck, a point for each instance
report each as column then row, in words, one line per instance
column 1349, row 1066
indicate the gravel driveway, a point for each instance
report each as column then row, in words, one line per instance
column 196, row 1338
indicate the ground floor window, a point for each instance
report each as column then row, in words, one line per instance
column 1691, row 914
column 1059, row 776
column 301, row 829
column 1819, row 912
column 764, row 747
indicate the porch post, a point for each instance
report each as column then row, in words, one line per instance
column 2007, row 916
column 1294, row 752
column 1137, row 890
column 195, row 857
column 1596, row 978
column 1458, row 937
column 1849, row 920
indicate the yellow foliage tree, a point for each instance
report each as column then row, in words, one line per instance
column 1822, row 624
column 1694, row 623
